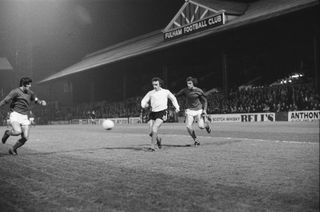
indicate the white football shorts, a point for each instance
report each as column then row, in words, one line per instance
column 193, row 112
column 20, row 118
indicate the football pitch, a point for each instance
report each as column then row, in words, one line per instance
column 238, row 167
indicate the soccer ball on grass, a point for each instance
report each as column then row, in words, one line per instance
column 107, row 124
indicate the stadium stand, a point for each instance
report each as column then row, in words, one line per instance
column 278, row 98
column 275, row 98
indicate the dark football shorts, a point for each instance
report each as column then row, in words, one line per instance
column 158, row 115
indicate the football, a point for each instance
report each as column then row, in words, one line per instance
column 107, row 124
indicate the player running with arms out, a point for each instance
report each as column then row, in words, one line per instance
column 158, row 98
column 20, row 99
column 196, row 108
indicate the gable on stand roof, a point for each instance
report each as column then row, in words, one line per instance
column 5, row 65
column 190, row 12
column 196, row 10
column 231, row 7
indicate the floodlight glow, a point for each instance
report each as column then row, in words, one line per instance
column 295, row 76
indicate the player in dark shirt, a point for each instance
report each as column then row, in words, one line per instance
column 196, row 108
column 20, row 100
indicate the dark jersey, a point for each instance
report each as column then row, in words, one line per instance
column 195, row 98
column 20, row 100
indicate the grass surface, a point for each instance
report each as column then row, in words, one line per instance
column 239, row 167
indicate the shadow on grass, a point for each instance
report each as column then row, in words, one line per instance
column 92, row 150
column 2, row 154
column 143, row 148
column 214, row 143
column 176, row 145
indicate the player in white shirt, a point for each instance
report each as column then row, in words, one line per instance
column 158, row 98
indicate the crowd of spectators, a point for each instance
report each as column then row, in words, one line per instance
column 102, row 109
column 279, row 98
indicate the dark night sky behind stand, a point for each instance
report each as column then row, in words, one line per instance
column 61, row 32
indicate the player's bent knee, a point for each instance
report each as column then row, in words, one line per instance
column 154, row 130
column 189, row 127
column 16, row 132
column 201, row 126
column 23, row 140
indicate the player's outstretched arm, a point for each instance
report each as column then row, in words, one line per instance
column 43, row 103
column 8, row 98
column 204, row 101
column 174, row 101
column 180, row 93
column 145, row 100
column 40, row 102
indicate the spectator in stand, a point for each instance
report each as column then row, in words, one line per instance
column 93, row 117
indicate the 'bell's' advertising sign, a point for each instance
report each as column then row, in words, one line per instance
column 244, row 117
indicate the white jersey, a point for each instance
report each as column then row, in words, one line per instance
column 159, row 100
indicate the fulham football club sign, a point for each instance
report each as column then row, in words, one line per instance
column 193, row 17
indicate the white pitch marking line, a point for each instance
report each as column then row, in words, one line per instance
column 226, row 138
column 268, row 140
